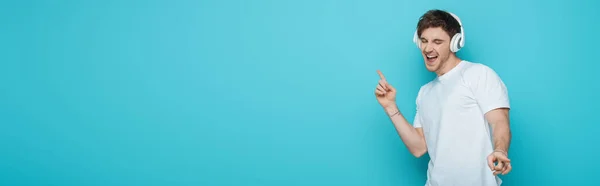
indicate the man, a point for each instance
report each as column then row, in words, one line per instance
column 462, row 115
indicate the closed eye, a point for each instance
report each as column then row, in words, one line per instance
column 436, row 41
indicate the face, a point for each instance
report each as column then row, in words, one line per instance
column 435, row 48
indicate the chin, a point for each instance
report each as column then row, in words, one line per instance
column 431, row 69
column 431, row 66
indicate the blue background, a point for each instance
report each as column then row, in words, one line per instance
column 275, row 92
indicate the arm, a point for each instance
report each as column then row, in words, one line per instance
column 500, row 124
column 492, row 97
column 412, row 137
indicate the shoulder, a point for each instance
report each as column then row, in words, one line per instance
column 477, row 72
column 473, row 69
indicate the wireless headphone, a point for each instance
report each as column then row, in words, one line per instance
column 457, row 42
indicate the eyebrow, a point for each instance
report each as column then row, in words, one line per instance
column 433, row 39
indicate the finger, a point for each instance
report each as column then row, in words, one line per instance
column 383, row 84
column 491, row 162
column 380, row 74
column 500, row 166
column 379, row 92
column 503, row 158
column 503, row 169
column 507, row 170
column 380, row 88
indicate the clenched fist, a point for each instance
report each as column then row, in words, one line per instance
column 385, row 93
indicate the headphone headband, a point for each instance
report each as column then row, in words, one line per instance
column 462, row 31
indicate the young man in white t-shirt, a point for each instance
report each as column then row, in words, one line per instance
column 462, row 118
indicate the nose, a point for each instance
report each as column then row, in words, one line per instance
column 427, row 48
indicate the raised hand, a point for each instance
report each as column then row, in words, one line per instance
column 385, row 93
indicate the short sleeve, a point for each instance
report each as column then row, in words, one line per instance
column 488, row 89
column 417, row 123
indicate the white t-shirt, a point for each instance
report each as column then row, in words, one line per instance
column 450, row 110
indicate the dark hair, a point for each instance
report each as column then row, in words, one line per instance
column 438, row 18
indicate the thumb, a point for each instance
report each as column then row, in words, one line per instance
column 390, row 88
column 490, row 161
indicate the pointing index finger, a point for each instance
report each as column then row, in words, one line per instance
column 380, row 74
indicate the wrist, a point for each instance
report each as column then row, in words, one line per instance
column 501, row 151
column 390, row 107
column 391, row 110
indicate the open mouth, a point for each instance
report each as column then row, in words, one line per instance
column 431, row 58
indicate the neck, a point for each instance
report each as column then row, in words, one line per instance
column 448, row 65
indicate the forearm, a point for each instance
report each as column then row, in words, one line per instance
column 412, row 138
column 502, row 136
column 500, row 123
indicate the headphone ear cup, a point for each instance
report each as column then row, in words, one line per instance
column 461, row 41
column 416, row 40
column 455, row 42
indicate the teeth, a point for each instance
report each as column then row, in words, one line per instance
column 431, row 56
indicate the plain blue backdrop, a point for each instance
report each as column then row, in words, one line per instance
column 268, row 93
